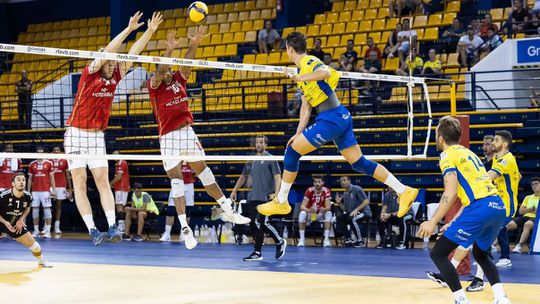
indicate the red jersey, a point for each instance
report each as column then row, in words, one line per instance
column 317, row 199
column 123, row 183
column 6, row 172
column 40, row 172
column 59, row 168
column 373, row 48
column 93, row 101
column 187, row 174
column 170, row 104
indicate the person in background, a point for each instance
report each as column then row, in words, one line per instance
column 41, row 184
column 489, row 152
column 407, row 40
column 351, row 56
column 142, row 207
column 8, row 167
column 452, row 35
column 372, row 48
column 23, row 88
column 371, row 65
column 317, row 202
column 487, row 24
column 528, row 211
column 392, row 45
column 468, row 48
column 389, row 217
column 493, row 41
column 268, row 37
column 519, row 17
column 317, row 50
column 432, row 67
column 121, row 184
column 413, row 65
column 398, row 8
column 344, row 64
column 64, row 186
column 352, row 210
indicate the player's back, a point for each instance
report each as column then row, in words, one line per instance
column 508, row 181
column 316, row 92
column 473, row 181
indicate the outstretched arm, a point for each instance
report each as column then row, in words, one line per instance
column 194, row 42
column 116, row 42
column 172, row 44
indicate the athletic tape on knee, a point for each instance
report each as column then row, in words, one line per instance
column 36, row 249
column 47, row 213
column 364, row 165
column 177, row 187
column 207, row 177
column 302, row 216
column 35, row 212
column 291, row 162
column 328, row 216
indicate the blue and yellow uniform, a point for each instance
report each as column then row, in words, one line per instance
column 484, row 212
column 333, row 124
column 507, row 182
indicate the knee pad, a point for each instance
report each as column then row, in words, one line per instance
column 207, row 177
column 121, row 215
column 291, row 160
column 35, row 212
column 36, row 249
column 328, row 216
column 302, row 216
column 177, row 187
column 47, row 213
column 364, row 165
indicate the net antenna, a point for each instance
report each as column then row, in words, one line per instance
column 411, row 81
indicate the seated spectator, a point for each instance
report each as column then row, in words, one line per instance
column 412, row 66
column 486, row 25
column 468, row 48
column 389, row 217
column 293, row 106
column 345, row 64
column 391, row 48
column 403, row 7
column 452, row 35
column 142, row 208
column 329, row 62
column 519, row 17
column 268, row 37
column 317, row 50
column 317, row 202
column 532, row 28
column 372, row 48
column 372, row 64
column 406, row 37
column 351, row 55
column 475, row 23
column 528, row 211
column 352, row 209
column 534, row 98
column 493, row 40
column 433, row 66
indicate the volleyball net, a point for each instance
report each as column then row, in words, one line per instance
column 232, row 103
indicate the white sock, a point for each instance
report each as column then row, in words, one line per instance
column 111, row 217
column 392, row 182
column 168, row 229
column 326, row 233
column 222, row 201
column 498, row 291
column 47, row 228
column 302, row 234
column 183, row 220
column 57, row 224
column 89, row 221
column 36, row 249
column 479, row 272
column 36, row 228
column 460, row 297
column 283, row 194
column 455, row 263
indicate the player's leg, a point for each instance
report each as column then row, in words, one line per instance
column 356, row 222
column 327, row 219
column 402, row 224
column 130, row 216
column 141, row 218
column 58, row 201
column 492, row 274
column 29, row 242
column 439, row 255
column 79, row 177
column 36, row 203
column 101, row 178
column 504, row 244
column 47, row 214
column 527, row 228
column 266, row 226
column 120, row 201
column 257, row 233
column 302, row 223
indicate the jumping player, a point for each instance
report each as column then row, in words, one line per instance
column 333, row 123
column 88, row 120
column 481, row 219
column 41, row 183
column 169, row 101
column 14, row 208
column 64, row 187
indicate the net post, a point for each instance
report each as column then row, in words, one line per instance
column 453, row 102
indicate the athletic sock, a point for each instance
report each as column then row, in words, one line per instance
column 455, row 263
column 168, row 230
column 89, row 221
column 47, row 228
column 479, row 272
column 111, row 217
column 283, row 194
column 326, row 233
column 302, row 234
column 498, row 291
column 222, row 201
column 183, row 221
column 36, row 228
column 57, row 225
column 392, row 182
column 460, row 297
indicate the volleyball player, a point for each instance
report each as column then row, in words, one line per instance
column 88, row 120
column 62, row 180
column 15, row 206
column 169, row 101
column 8, row 167
column 333, row 123
column 481, row 219
column 42, row 185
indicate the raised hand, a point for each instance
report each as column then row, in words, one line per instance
column 171, row 41
column 200, row 33
column 134, row 21
column 156, row 20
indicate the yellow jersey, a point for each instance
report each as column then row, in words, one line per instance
column 507, row 181
column 531, row 201
column 432, row 65
column 316, row 92
column 473, row 181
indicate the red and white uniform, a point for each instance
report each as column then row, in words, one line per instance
column 318, row 200
column 60, row 167
column 91, row 111
column 41, row 182
column 170, row 106
column 122, row 187
column 8, row 167
column 189, row 184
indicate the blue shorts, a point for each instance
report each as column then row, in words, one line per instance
column 479, row 223
column 332, row 125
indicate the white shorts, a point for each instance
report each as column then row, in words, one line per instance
column 61, row 193
column 189, row 194
column 41, row 198
column 77, row 141
column 177, row 143
column 120, row 197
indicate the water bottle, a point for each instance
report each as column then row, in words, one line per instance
column 425, row 245
column 285, row 233
column 196, row 233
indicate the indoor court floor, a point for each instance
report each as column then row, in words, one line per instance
column 152, row 272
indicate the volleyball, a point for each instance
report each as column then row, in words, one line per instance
column 197, row 11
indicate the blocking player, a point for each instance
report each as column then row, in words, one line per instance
column 8, row 167
column 62, row 180
column 14, row 208
column 482, row 216
column 317, row 200
column 121, row 185
column 333, row 123
column 167, row 89
column 88, row 120
column 42, row 185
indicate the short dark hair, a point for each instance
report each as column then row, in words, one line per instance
column 318, row 39
column 137, row 186
column 328, row 54
column 490, row 137
column 348, row 178
column 17, row 174
column 260, row 136
column 318, row 176
column 450, row 130
column 350, row 40
column 297, row 41
column 505, row 135
column 534, row 179
column 40, row 148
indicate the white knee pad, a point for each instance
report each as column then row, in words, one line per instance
column 47, row 213
column 302, row 216
column 35, row 247
column 177, row 187
column 207, row 177
column 35, row 212
column 328, row 216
